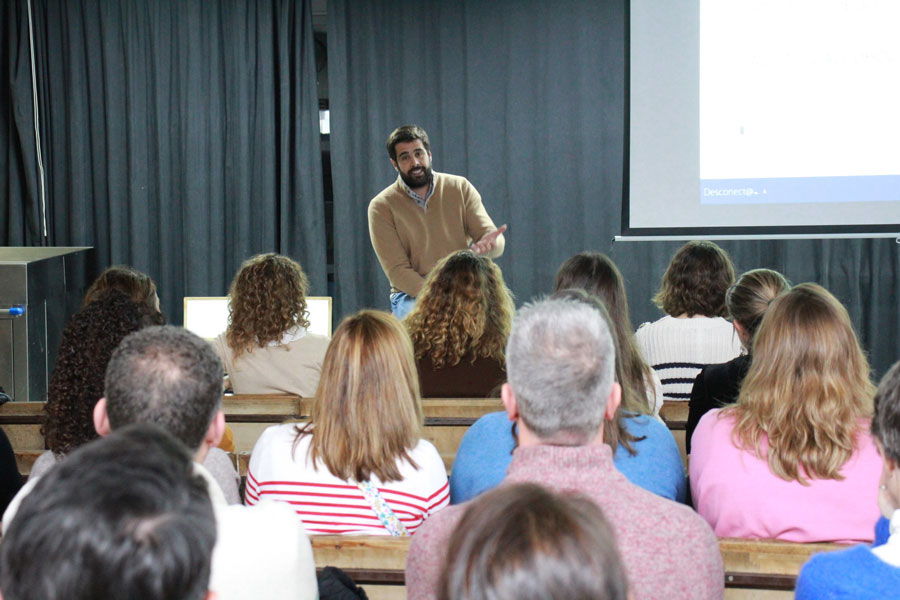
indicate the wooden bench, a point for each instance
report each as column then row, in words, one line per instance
column 675, row 415
column 446, row 420
column 753, row 568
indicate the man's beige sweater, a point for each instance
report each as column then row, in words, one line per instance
column 410, row 240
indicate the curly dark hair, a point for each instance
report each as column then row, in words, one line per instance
column 267, row 298
column 463, row 309
column 695, row 281
column 76, row 384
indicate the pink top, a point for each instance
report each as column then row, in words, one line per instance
column 739, row 496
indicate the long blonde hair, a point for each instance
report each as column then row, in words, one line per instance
column 464, row 309
column 367, row 412
column 807, row 388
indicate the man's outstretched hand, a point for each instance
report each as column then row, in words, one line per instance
column 488, row 241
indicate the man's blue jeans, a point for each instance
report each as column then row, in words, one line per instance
column 401, row 304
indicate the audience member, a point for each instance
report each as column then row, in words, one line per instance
column 123, row 517
column 863, row 571
column 793, row 459
column 718, row 385
column 134, row 284
column 170, row 377
column 267, row 348
column 76, row 383
column 599, row 276
column 362, row 443
column 562, row 546
column 459, row 327
column 643, row 447
column 560, row 360
column 693, row 333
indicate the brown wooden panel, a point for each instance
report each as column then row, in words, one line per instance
column 768, row 556
column 360, row 552
column 674, row 413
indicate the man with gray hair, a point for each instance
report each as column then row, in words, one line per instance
column 560, row 360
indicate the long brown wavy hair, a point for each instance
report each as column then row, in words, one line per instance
column 267, row 298
column 464, row 309
column 367, row 412
column 807, row 388
column 598, row 275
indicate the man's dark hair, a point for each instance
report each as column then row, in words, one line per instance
column 122, row 517
column 886, row 422
column 168, row 376
column 406, row 133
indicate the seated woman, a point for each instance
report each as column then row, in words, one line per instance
column 139, row 287
column 562, row 546
column 267, row 348
column 793, row 460
column 644, row 449
column 864, row 571
column 359, row 465
column 693, row 333
column 459, row 327
column 718, row 385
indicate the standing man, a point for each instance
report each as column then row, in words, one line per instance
column 424, row 216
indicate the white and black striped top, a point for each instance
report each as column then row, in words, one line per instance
column 678, row 348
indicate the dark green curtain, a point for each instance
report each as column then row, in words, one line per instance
column 181, row 136
column 20, row 209
column 528, row 100
column 524, row 98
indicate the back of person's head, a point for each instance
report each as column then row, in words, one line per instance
column 597, row 274
column 695, row 281
column 138, row 286
column 886, row 422
column 807, row 388
column 463, row 309
column 168, row 376
column 750, row 296
column 121, row 518
column 267, row 298
column 367, row 412
column 76, row 384
column 560, row 360
column 523, row 542
column 406, row 133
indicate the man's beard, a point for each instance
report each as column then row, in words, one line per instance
column 415, row 182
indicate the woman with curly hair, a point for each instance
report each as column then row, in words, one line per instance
column 793, row 459
column 267, row 348
column 359, row 465
column 459, row 328
column 76, row 384
column 693, row 333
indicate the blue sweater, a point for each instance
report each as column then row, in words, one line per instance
column 852, row 573
column 486, row 451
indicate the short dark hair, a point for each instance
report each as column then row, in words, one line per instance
column 168, row 376
column 695, row 281
column 562, row 546
column 886, row 422
column 122, row 517
column 406, row 133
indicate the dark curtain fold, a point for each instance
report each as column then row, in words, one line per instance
column 524, row 98
column 527, row 100
column 20, row 205
column 182, row 137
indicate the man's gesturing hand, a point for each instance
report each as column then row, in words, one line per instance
column 487, row 242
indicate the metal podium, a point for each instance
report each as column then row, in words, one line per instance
column 40, row 288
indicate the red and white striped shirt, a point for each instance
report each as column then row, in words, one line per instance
column 330, row 505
